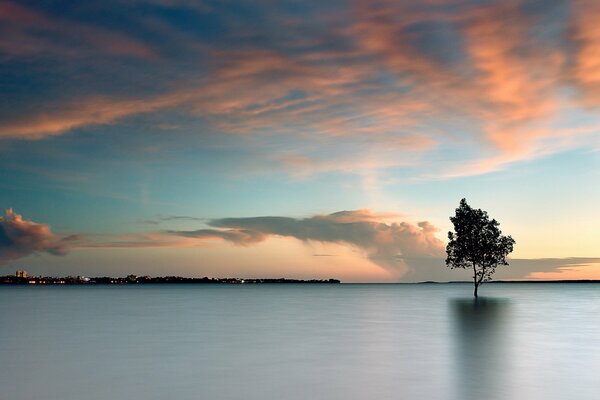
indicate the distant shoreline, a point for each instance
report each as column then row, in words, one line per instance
column 135, row 280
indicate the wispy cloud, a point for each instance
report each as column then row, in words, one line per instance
column 584, row 69
column 27, row 31
column 133, row 241
column 58, row 119
column 170, row 218
column 403, row 77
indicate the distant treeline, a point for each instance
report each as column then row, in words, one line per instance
column 133, row 279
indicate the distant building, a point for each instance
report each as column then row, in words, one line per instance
column 21, row 274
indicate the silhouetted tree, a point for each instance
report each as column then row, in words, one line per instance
column 476, row 243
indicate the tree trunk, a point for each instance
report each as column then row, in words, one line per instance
column 475, row 283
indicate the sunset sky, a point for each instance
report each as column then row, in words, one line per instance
column 297, row 139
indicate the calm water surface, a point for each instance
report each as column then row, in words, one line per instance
column 526, row 341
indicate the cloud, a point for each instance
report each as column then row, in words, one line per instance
column 538, row 268
column 389, row 245
column 20, row 237
column 134, row 240
column 434, row 269
column 242, row 237
column 27, row 32
column 169, row 218
column 399, row 80
column 585, row 35
column 61, row 118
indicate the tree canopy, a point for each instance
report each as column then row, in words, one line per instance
column 477, row 243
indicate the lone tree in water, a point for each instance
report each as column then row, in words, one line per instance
column 476, row 243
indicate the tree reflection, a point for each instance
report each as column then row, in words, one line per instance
column 480, row 341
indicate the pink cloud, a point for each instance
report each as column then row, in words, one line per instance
column 20, row 237
column 84, row 112
column 585, row 32
column 381, row 89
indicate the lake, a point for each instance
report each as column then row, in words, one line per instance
column 349, row 341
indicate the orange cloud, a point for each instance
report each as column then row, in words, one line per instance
column 381, row 31
column 516, row 76
column 88, row 111
column 585, row 32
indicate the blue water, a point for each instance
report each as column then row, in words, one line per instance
column 526, row 341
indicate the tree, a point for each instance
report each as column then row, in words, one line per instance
column 476, row 243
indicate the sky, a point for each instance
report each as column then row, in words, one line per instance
column 329, row 139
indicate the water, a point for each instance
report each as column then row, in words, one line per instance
column 526, row 341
